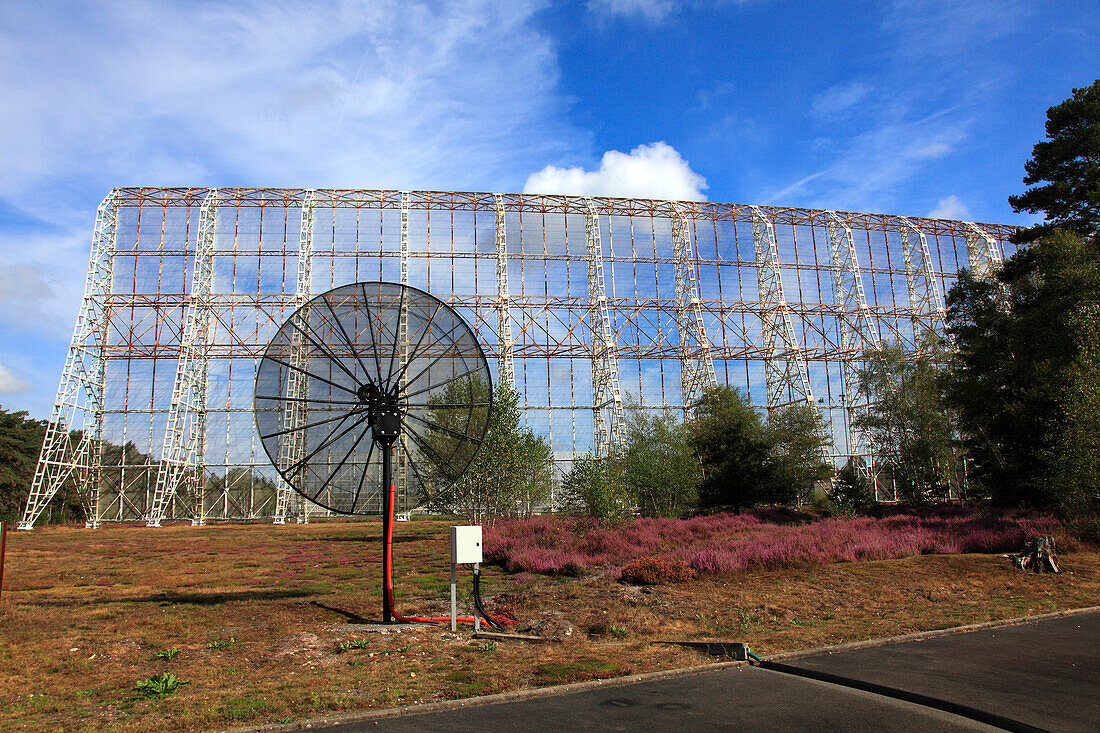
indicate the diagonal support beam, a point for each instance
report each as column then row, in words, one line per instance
column 857, row 328
column 184, row 437
column 925, row 298
column 785, row 368
column 982, row 253
column 696, row 363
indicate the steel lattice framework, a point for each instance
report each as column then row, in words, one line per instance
column 581, row 303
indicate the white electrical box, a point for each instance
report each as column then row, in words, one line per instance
column 466, row 544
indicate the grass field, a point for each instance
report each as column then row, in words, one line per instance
column 255, row 620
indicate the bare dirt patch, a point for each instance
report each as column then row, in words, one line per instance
column 264, row 619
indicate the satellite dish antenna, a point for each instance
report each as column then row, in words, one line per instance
column 365, row 378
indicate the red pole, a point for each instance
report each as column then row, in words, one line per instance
column 3, row 547
column 387, row 534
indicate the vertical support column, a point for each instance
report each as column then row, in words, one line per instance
column 292, row 442
column 696, row 364
column 857, row 329
column 402, row 483
column 785, row 369
column 182, row 453
column 607, row 401
column 506, row 367
column 982, row 253
column 79, row 401
column 925, row 299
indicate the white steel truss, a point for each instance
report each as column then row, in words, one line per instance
column 982, row 253
column 79, row 402
column 506, row 367
column 925, row 299
column 858, row 332
column 185, row 436
column 607, row 400
column 696, row 364
column 402, row 473
column 785, row 370
column 292, row 442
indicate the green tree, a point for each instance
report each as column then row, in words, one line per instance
column 1067, row 165
column 798, row 442
column 852, row 489
column 595, row 486
column 733, row 446
column 658, row 464
column 910, row 425
column 512, row 472
column 1076, row 453
column 20, row 442
column 1023, row 376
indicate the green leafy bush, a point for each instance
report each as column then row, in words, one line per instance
column 160, row 685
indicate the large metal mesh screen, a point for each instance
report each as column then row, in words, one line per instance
column 660, row 296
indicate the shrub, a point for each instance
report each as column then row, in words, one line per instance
column 655, row 570
column 723, row 543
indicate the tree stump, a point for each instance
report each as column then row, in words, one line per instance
column 1038, row 556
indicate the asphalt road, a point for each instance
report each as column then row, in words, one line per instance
column 1044, row 674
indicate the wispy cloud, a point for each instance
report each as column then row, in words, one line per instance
column 29, row 297
column 840, row 98
column 653, row 11
column 946, row 29
column 648, row 171
column 865, row 171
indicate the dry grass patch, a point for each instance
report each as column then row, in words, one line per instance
column 255, row 619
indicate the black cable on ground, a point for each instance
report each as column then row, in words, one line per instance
column 478, row 604
column 954, row 708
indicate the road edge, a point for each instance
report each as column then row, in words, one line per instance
column 539, row 692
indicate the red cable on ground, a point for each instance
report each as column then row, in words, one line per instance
column 387, row 572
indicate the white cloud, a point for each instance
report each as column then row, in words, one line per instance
column 11, row 384
column 648, row 171
column 840, row 98
column 950, row 208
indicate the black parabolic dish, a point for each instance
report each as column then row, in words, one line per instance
column 326, row 366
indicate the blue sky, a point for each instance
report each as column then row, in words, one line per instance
column 917, row 108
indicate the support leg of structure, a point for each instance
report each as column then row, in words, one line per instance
column 856, row 327
column 607, row 401
column 696, row 365
column 295, row 409
column 182, row 454
column 79, row 403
